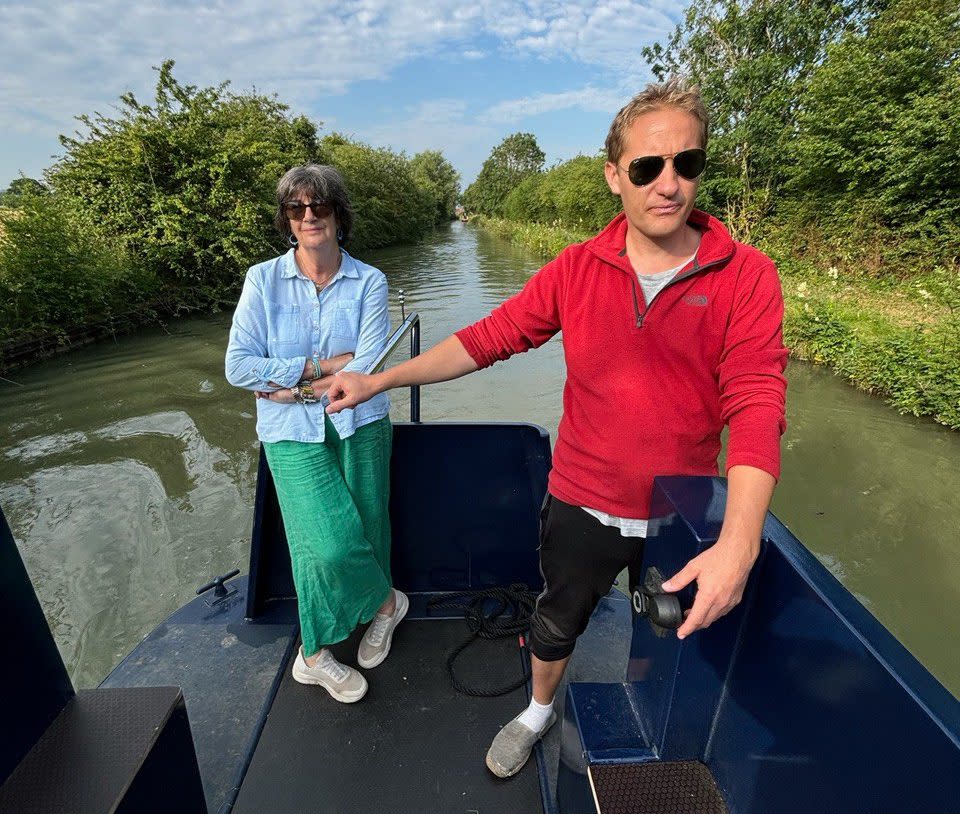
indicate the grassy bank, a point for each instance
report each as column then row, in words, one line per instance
column 896, row 337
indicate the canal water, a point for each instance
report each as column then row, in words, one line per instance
column 127, row 469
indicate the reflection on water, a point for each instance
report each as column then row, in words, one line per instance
column 127, row 476
column 127, row 470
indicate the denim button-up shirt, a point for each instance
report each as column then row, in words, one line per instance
column 281, row 321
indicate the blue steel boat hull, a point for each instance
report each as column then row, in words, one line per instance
column 798, row 701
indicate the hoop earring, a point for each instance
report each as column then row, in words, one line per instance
column 339, row 235
column 292, row 240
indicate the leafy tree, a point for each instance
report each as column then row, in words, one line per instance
column 512, row 160
column 390, row 207
column 751, row 60
column 184, row 186
column 573, row 194
column 526, row 202
column 57, row 272
column 436, row 175
column 879, row 133
column 21, row 188
column 580, row 193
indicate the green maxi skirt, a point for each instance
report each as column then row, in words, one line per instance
column 333, row 497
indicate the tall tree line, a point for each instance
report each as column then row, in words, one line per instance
column 160, row 207
column 837, row 118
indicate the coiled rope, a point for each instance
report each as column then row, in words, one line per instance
column 510, row 616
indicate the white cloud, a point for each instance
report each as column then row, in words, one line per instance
column 588, row 98
column 437, row 124
column 608, row 33
column 76, row 56
column 431, row 125
column 92, row 50
column 89, row 52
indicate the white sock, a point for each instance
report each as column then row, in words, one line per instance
column 536, row 715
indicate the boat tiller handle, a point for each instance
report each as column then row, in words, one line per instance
column 663, row 610
column 651, row 602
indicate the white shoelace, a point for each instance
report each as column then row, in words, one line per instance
column 333, row 668
column 378, row 629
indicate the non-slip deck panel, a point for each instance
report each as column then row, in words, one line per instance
column 680, row 787
column 110, row 750
column 413, row 745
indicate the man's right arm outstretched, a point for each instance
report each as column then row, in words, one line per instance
column 444, row 361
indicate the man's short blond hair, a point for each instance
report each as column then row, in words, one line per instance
column 675, row 92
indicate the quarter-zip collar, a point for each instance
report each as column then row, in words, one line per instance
column 716, row 248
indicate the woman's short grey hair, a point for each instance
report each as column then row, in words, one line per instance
column 319, row 182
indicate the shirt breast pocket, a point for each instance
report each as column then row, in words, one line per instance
column 346, row 320
column 283, row 329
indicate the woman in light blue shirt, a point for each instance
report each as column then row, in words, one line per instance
column 303, row 317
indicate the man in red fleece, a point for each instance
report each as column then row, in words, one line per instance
column 671, row 330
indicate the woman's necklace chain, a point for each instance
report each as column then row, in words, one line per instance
column 325, row 283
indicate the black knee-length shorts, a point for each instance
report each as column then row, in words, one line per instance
column 579, row 559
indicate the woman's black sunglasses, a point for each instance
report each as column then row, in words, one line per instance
column 689, row 164
column 296, row 210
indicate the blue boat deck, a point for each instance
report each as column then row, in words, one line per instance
column 445, row 742
column 413, row 743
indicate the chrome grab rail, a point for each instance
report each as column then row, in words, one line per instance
column 394, row 341
column 410, row 325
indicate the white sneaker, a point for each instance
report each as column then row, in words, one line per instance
column 342, row 682
column 375, row 644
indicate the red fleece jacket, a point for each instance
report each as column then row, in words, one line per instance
column 649, row 388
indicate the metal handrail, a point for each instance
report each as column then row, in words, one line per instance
column 393, row 342
column 410, row 325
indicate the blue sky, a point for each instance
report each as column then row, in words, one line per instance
column 449, row 76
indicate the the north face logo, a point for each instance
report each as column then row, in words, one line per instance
column 696, row 299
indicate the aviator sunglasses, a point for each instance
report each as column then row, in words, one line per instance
column 296, row 210
column 689, row 164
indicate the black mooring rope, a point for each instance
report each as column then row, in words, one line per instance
column 510, row 617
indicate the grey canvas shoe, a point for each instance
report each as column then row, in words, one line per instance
column 512, row 746
column 342, row 682
column 375, row 644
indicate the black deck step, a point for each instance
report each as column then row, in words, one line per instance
column 680, row 787
column 412, row 746
column 124, row 751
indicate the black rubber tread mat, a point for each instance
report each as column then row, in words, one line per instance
column 680, row 787
column 88, row 756
column 413, row 745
